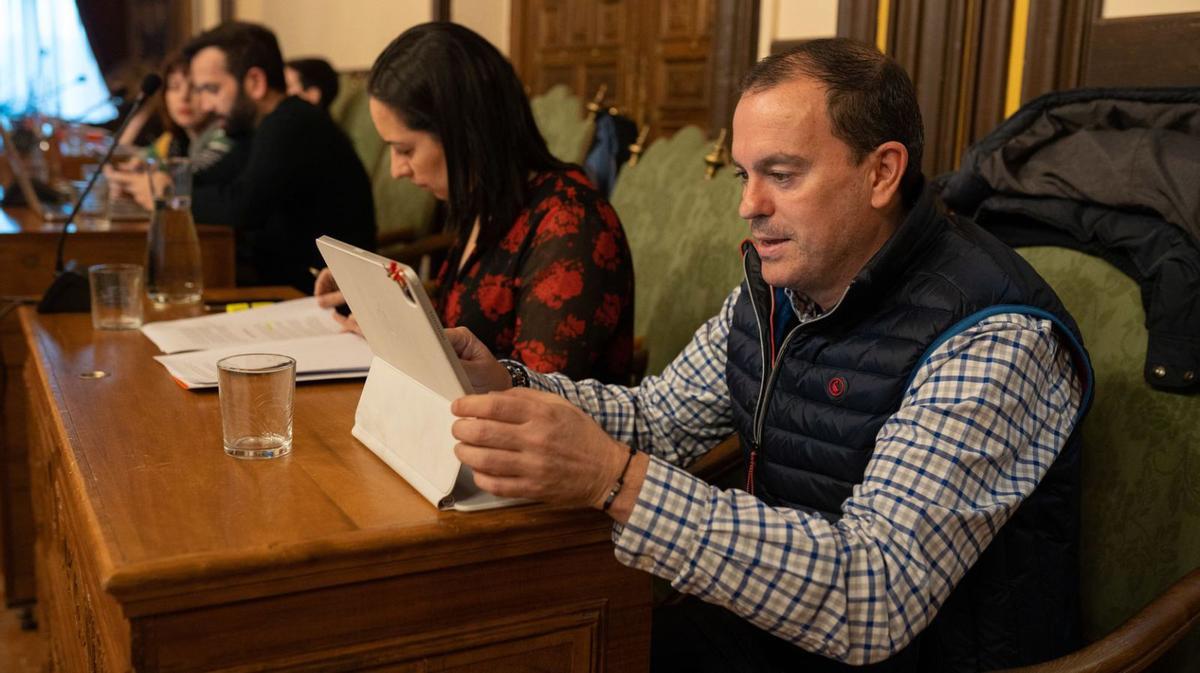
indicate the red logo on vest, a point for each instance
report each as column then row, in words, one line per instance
column 836, row 387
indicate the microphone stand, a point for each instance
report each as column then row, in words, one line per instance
column 69, row 293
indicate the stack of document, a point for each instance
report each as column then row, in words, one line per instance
column 298, row 329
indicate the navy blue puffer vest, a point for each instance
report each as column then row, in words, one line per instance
column 808, row 423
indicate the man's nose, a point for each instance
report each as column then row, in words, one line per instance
column 755, row 200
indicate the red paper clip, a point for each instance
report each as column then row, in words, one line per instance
column 397, row 274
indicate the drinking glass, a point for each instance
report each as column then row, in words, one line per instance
column 256, row 391
column 116, row 296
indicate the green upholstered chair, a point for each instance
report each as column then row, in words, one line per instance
column 403, row 212
column 561, row 118
column 349, row 111
column 684, row 233
column 1141, row 482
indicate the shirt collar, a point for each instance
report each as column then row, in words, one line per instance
column 806, row 309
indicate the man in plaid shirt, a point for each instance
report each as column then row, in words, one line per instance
column 905, row 387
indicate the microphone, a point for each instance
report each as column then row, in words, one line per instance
column 69, row 293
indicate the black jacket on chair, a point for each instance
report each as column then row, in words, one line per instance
column 1114, row 173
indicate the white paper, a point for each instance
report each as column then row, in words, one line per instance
column 292, row 319
column 333, row 356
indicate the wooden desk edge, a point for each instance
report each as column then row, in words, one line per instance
column 351, row 556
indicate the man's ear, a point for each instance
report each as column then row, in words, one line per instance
column 255, row 83
column 888, row 162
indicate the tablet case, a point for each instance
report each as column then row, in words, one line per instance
column 403, row 415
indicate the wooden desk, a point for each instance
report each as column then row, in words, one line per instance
column 157, row 552
column 27, row 250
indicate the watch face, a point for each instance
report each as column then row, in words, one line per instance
column 520, row 379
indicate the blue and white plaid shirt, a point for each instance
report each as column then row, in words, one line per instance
column 984, row 418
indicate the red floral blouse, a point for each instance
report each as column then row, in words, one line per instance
column 556, row 293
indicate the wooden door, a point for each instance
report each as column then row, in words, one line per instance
column 664, row 64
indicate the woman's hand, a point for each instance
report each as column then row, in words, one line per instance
column 483, row 369
column 328, row 296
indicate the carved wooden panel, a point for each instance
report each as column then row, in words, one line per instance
column 663, row 62
column 579, row 43
column 611, row 23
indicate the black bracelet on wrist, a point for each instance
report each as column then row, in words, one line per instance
column 612, row 495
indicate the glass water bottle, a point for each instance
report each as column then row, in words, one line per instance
column 173, row 271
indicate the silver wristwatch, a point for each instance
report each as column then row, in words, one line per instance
column 516, row 372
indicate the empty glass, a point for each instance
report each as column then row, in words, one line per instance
column 116, row 296
column 256, row 392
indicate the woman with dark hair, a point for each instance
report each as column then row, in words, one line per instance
column 541, row 271
column 185, row 132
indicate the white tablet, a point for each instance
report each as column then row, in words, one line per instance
column 396, row 316
column 404, row 414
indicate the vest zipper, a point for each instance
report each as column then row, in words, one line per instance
column 764, row 391
column 762, row 386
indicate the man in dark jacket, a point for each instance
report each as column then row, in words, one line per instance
column 302, row 178
column 905, row 388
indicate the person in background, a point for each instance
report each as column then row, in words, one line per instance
column 541, row 270
column 187, row 133
column 302, row 178
column 312, row 79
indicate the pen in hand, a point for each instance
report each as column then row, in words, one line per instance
column 343, row 309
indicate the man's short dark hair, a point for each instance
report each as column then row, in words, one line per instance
column 317, row 72
column 870, row 99
column 245, row 45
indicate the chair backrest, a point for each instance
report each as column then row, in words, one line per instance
column 402, row 211
column 1141, row 460
column 561, row 118
column 684, row 233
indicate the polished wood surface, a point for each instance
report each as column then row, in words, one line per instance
column 1141, row 640
column 28, row 244
column 27, row 251
column 156, row 551
column 16, row 513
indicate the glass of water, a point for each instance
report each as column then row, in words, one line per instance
column 116, row 296
column 256, row 391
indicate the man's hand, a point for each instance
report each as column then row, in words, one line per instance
column 140, row 185
column 328, row 296
column 529, row 444
column 483, row 369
